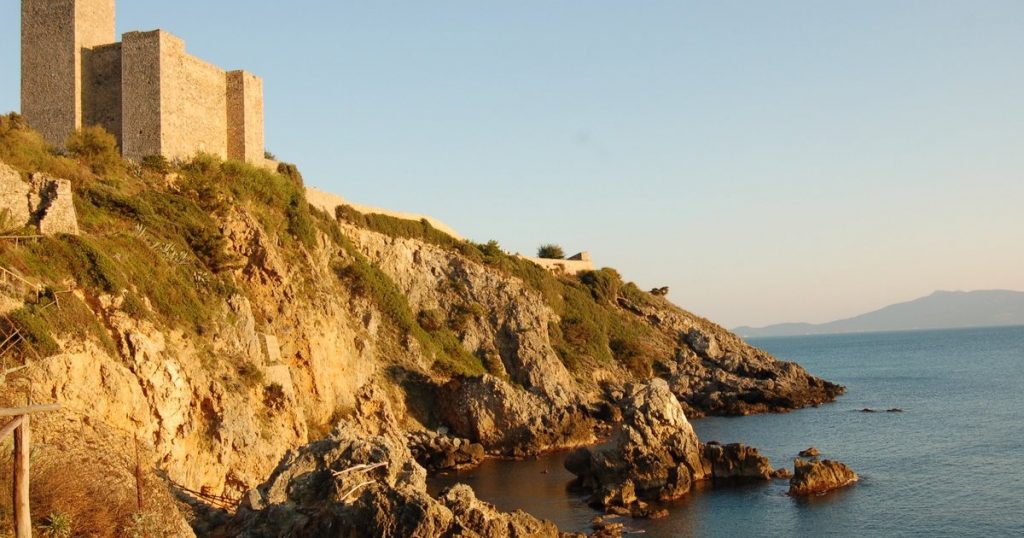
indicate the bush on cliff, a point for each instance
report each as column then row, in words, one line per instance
column 25, row 149
column 97, row 149
column 551, row 252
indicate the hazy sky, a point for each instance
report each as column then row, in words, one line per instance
column 770, row 161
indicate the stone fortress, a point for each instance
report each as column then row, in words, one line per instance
column 151, row 94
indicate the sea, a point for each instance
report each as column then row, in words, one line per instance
column 951, row 464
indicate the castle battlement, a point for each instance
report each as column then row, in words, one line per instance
column 147, row 90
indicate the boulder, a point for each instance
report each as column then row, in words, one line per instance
column 363, row 481
column 443, row 453
column 810, row 453
column 510, row 421
column 655, row 455
column 782, row 473
column 816, row 477
column 736, row 462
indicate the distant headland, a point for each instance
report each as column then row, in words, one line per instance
column 940, row 310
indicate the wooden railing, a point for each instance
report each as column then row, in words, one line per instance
column 19, row 426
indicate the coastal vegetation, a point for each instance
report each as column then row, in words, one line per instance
column 206, row 310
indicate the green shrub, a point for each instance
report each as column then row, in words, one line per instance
column 491, row 252
column 250, row 375
column 156, row 163
column 462, row 314
column 274, row 397
column 395, row 227
column 631, row 354
column 96, row 148
column 431, row 320
column 300, row 225
column 209, row 245
column 91, row 267
column 26, row 150
column 551, row 252
column 56, row 525
column 34, row 328
column 604, row 284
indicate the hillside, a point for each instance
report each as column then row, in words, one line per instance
column 211, row 321
column 940, row 310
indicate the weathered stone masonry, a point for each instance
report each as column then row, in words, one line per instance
column 147, row 90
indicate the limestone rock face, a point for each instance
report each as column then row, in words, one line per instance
column 655, row 455
column 816, row 477
column 512, row 320
column 509, row 421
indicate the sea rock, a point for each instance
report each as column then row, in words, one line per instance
column 366, row 483
column 782, row 473
column 810, row 453
column 509, row 421
column 655, row 455
column 736, row 462
column 443, row 452
column 816, row 477
column 474, row 515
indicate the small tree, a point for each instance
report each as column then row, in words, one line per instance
column 551, row 252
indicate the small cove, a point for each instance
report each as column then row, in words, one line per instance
column 947, row 466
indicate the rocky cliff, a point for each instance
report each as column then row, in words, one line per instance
column 209, row 320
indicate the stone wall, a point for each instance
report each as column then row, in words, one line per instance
column 328, row 202
column 245, row 117
column 152, row 95
column 193, row 101
column 56, row 209
column 45, row 201
column 572, row 266
column 54, row 33
column 140, row 93
column 101, row 88
column 49, row 65
column 13, row 198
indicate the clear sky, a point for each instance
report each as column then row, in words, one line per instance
column 769, row 160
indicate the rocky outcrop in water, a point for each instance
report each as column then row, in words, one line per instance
column 656, row 455
column 440, row 452
column 510, row 421
column 719, row 374
column 736, row 462
column 816, row 477
column 364, row 481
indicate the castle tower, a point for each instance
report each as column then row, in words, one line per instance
column 55, row 37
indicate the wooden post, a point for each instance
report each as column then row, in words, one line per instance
column 139, row 484
column 22, row 512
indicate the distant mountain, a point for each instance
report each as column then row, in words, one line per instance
column 940, row 310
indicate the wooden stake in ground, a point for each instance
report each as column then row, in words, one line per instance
column 22, row 512
column 22, row 451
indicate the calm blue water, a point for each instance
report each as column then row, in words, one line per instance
column 951, row 465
